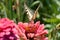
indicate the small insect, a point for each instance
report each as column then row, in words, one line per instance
column 31, row 15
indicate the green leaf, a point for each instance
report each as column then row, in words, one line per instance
column 34, row 3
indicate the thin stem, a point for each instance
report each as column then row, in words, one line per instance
column 18, row 11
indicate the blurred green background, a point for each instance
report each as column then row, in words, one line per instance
column 49, row 13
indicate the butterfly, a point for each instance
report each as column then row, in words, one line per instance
column 31, row 15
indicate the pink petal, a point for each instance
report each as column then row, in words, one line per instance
column 11, row 38
column 2, row 34
column 40, row 29
column 7, row 33
column 30, row 35
column 1, row 38
column 15, row 31
column 37, row 24
column 8, row 29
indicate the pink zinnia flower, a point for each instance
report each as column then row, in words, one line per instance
column 32, row 31
column 8, row 30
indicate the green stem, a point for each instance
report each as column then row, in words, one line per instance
column 18, row 11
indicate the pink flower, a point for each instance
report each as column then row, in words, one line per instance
column 8, row 30
column 33, row 31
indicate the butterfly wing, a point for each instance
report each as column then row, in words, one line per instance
column 30, row 13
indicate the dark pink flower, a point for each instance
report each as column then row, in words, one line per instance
column 8, row 30
column 33, row 31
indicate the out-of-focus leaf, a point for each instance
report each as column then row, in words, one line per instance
column 52, row 20
column 34, row 3
column 58, row 2
column 49, row 26
column 3, row 10
column 58, row 16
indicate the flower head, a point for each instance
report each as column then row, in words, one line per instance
column 8, row 30
column 33, row 31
